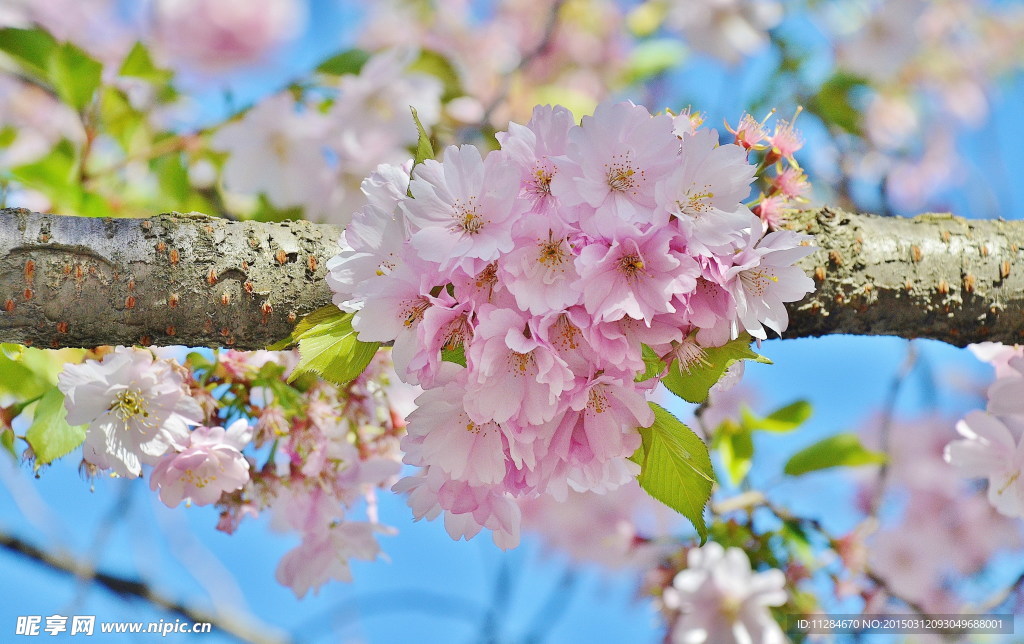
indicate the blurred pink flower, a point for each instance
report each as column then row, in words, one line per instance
column 213, row 35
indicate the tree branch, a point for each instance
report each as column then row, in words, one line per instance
column 201, row 281
column 135, row 589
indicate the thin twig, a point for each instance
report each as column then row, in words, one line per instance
column 1000, row 598
column 126, row 588
column 888, row 411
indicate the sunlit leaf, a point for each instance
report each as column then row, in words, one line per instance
column 653, row 365
column 139, row 64
column 693, row 384
column 31, row 48
column 74, row 75
column 784, row 419
column 50, row 435
column 834, row 451
column 424, row 149
column 328, row 346
column 675, row 467
column 350, row 61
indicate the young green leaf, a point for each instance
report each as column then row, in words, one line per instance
column 74, row 75
column 735, row 444
column 456, row 355
column 653, row 365
column 7, row 442
column 31, row 48
column 139, row 64
column 328, row 346
column 784, row 419
column 675, row 467
column 350, row 61
column 424, row 149
column 322, row 315
column 834, row 451
column 50, row 435
column 694, row 383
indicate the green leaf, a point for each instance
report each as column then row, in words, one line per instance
column 18, row 379
column 675, row 467
column 834, row 102
column 120, row 119
column 172, row 176
column 456, row 355
column 322, row 315
column 693, row 385
column 350, row 61
column 31, row 48
column 653, row 365
column 50, row 435
column 436, row 64
column 53, row 174
column 424, row 149
column 735, row 445
column 7, row 442
column 834, row 451
column 784, row 419
column 74, row 75
column 329, row 348
column 139, row 64
column 653, row 57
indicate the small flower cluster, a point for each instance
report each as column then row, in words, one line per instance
column 313, row 152
column 786, row 185
column 993, row 445
column 717, row 597
column 938, row 513
column 520, row 287
column 329, row 447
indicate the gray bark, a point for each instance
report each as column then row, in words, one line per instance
column 171, row 279
column 201, row 281
column 932, row 276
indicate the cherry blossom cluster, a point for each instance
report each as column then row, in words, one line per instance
column 925, row 88
column 938, row 513
column 312, row 153
column 511, row 56
column 993, row 440
column 717, row 597
column 519, row 288
column 234, row 434
column 203, row 35
column 783, row 183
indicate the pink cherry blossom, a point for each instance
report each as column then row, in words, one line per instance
column 517, row 375
column 720, row 599
column 705, row 191
column 324, row 555
column 615, row 159
column 211, row 464
column 441, row 433
column 533, row 147
column 462, row 208
column 993, row 449
column 137, row 409
column 635, row 276
column 762, row 279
